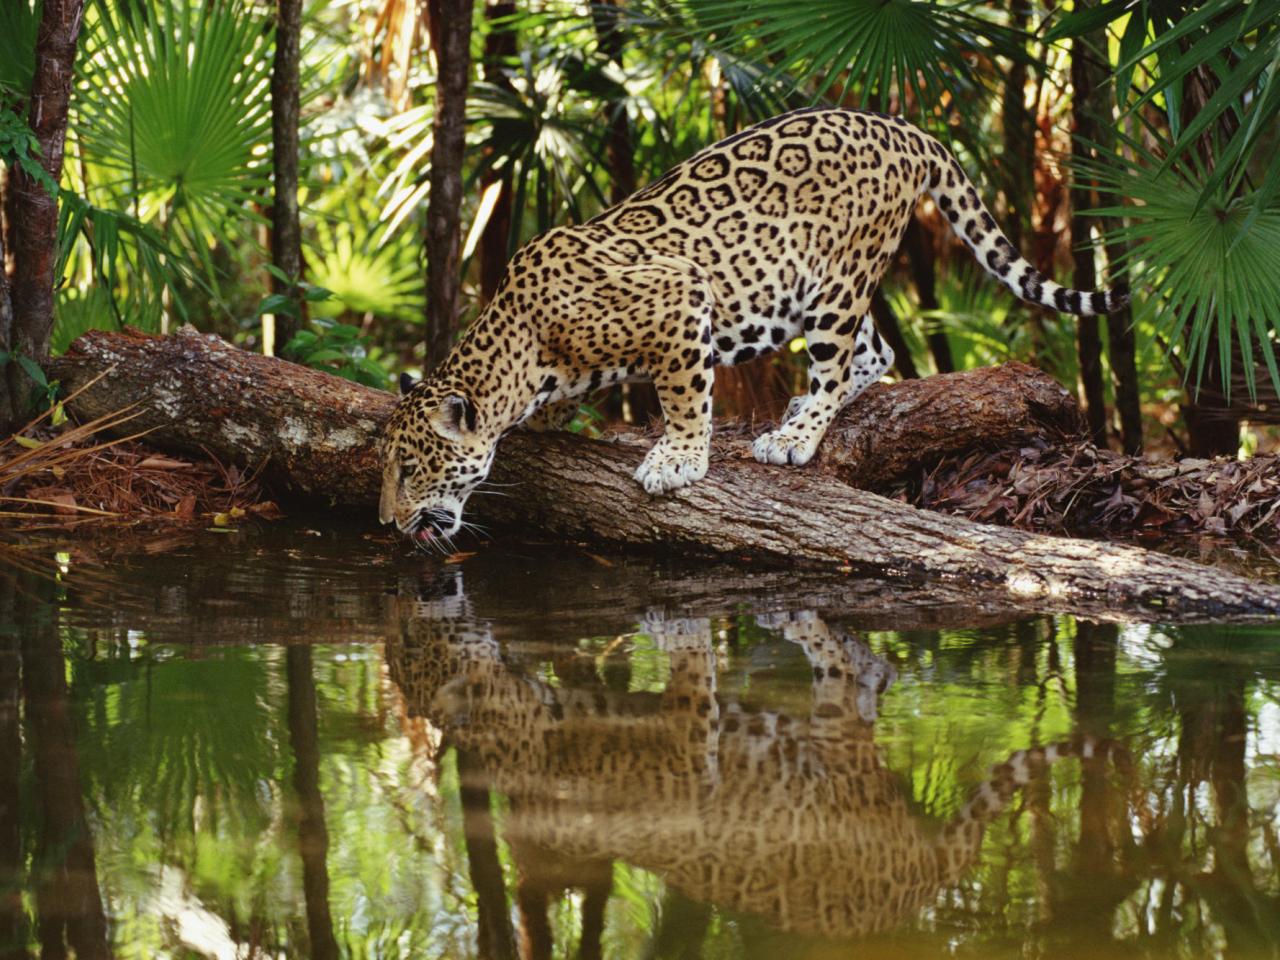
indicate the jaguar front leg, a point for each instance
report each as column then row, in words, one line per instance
column 840, row 368
column 682, row 370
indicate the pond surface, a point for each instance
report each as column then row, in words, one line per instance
column 294, row 743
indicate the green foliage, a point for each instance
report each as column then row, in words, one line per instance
column 172, row 98
column 368, row 270
column 866, row 51
column 19, row 20
column 18, row 145
column 330, row 346
column 337, row 348
column 1212, row 266
column 1203, row 193
column 44, row 391
column 128, row 261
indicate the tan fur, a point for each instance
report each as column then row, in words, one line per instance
column 791, row 816
column 783, row 230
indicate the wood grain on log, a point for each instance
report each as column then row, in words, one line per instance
column 317, row 433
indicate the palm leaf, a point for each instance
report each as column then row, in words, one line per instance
column 1211, row 268
column 173, row 98
column 866, row 50
column 19, row 20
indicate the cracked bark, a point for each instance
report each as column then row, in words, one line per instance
column 315, row 434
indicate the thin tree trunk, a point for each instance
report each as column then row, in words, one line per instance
column 451, row 39
column 887, row 323
column 6, row 297
column 1093, row 104
column 313, row 834
column 1085, row 99
column 35, row 211
column 495, row 242
column 286, row 233
column 1018, row 163
column 921, row 257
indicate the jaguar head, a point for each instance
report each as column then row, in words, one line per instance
column 434, row 454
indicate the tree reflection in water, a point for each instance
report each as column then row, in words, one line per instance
column 549, row 767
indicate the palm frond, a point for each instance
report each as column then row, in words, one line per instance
column 19, row 20
column 1211, row 268
column 173, row 98
column 865, row 52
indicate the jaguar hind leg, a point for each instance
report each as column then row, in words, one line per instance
column 839, row 370
column 553, row 416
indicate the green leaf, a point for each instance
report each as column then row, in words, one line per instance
column 1083, row 21
column 327, row 355
column 278, row 303
column 32, row 369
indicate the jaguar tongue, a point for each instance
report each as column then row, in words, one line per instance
column 424, row 535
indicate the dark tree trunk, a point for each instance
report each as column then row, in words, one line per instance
column 1122, row 349
column 6, row 299
column 620, row 148
column 1018, row 164
column 595, row 898
column 451, row 39
column 535, row 930
column 286, row 233
column 638, row 401
column 495, row 241
column 1085, row 81
column 313, row 834
column 924, row 275
column 887, row 323
column 198, row 392
column 1092, row 104
column 35, row 211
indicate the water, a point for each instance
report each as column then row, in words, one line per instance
column 300, row 743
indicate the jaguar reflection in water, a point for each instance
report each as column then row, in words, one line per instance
column 791, row 818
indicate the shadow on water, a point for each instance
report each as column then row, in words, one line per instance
column 319, row 746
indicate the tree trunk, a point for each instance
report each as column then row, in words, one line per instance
column 1018, row 160
column 887, row 323
column 13, row 917
column 1092, row 105
column 495, row 241
column 317, row 433
column 1085, row 97
column 35, row 210
column 286, row 233
column 924, row 275
column 451, row 39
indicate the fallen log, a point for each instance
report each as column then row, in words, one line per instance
column 316, row 433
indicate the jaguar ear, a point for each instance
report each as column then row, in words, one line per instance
column 455, row 418
column 407, row 383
